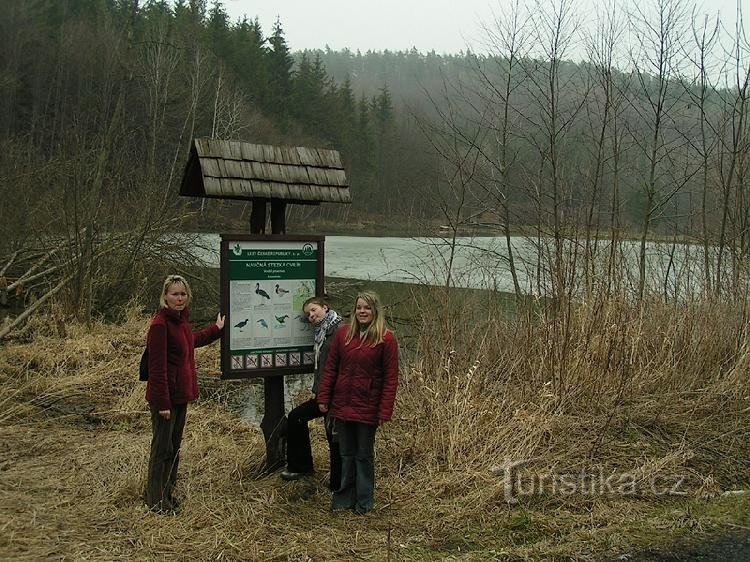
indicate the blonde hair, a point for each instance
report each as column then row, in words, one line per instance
column 377, row 328
column 168, row 283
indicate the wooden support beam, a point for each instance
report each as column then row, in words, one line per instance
column 258, row 217
column 278, row 216
column 273, row 423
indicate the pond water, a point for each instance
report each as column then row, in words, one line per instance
column 481, row 262
column 477, row 263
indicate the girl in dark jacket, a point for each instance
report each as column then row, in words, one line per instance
column 299, row 459
column 358, row 390
column 172, row 383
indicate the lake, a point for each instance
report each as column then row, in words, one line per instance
column 481, row 262
column 478, row 263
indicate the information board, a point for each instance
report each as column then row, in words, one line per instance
column 264, row 281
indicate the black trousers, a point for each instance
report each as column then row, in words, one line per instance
column 298, row 450
column 166, row 437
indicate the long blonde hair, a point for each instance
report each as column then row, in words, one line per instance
column 377, row 328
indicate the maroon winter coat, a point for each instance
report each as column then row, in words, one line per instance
column 359, row 381
column 171, row 346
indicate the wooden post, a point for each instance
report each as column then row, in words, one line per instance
column 287, row 168
column 273, row 423
column 258, row 217
column 278, row 216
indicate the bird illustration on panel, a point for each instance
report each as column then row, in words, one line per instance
column 261, row 292
column 281, row 290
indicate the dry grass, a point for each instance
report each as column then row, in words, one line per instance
column 657, row 395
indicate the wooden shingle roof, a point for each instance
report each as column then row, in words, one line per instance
column 240, row 170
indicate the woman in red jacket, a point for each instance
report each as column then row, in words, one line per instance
column 172, row 383
column 358, row 390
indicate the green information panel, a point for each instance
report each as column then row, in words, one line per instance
column 265, row 280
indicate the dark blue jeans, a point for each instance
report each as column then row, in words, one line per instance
column 357, row 447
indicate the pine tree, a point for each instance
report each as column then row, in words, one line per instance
column 304, row 95
column 248, row 60
column 361, row 174
column 383, row 142
column 382, row 112
column 280, row 64
column 345, row 118
column 218, row 32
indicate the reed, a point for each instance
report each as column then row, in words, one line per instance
column 602, row 387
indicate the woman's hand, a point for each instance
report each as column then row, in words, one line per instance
column 220, row 321
column 323, row 408
column 166, row 414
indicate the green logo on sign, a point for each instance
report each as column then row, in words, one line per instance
column 307, row 249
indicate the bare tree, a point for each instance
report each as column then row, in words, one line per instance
column 457, row 146
column 734, row 158
column 556, row 98
column 159, row 59
column 700, row 89
column 506, row 40
column 658, row 27
column 603, row 113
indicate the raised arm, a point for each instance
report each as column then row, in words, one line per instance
column 210, row 334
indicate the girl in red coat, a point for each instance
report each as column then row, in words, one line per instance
column 172, row 383
column 358, row 390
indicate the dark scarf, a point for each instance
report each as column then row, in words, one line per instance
column 330, row 321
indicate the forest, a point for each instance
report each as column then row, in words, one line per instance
column 644, row 136
column 605, row 148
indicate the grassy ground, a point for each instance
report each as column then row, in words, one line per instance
column 656, row 397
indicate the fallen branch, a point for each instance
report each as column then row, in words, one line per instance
column 21, row 318
column 24, row 280
column 10, row 262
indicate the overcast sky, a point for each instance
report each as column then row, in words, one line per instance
column 446, row 26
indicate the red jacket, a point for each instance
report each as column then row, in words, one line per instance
column 359, row 381
column 171, row 346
